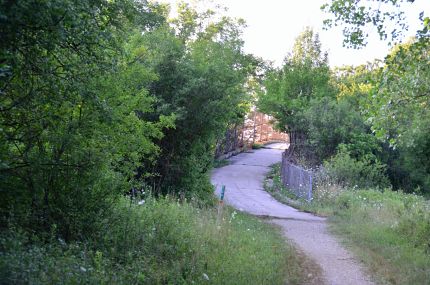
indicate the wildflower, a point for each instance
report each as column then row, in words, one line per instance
column 205, row 276
column 62, row 242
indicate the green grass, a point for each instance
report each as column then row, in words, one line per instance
column 159, row 242
column 220, row 163
column 257, row 146
column 389, row 231
column 275, row 187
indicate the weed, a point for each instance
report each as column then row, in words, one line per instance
column 157, row 242
column 388, row 230
column 257, row 146
column 220, row 163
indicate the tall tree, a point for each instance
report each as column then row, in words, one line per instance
column 290, row 89
column 70, row 134
column 201, row 72
column 398, row 105
column 359, row 16
column 399, row 108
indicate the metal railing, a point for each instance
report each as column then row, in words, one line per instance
column 297, row 179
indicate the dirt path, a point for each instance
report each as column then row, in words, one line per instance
column 244, row 178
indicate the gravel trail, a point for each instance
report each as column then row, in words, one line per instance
column 243, row 179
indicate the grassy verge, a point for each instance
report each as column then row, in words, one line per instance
column 257, row 146
column 389, row 231
column 274, row 186
column 220, row 163
column 159, row 242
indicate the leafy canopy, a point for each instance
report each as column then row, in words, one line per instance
column 288, row 91
column 358, row 17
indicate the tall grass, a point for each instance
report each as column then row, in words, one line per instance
column 388, row 230
column 159, row 242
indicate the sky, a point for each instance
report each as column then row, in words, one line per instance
column 273, row 25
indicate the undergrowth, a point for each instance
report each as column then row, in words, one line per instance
column 217, row 163
column 388, row 230
column 158, row 242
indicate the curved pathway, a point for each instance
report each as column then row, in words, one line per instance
column 243, row 179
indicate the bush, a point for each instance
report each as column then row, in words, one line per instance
column 415, row 156
column 347, row 171
column 257, row 146
column 332, row 122
column 72, row 132
column 159, row 242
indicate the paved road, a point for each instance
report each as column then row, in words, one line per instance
column 243, row 179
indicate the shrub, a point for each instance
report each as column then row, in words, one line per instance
column 346, row 171
column 257, row 146
column 332, row 122
column 388, row 230
column 72, row 131
column 159, row 242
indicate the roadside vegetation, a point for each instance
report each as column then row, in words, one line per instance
column 364, row 133
column 158, row 241
column 388, row 230
column 257, row 146
column 220, row 163
column 103, row 102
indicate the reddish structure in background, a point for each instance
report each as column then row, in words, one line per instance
column 256, row 129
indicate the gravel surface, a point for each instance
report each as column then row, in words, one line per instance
column 244, row 178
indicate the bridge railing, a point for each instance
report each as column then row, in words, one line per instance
column 297, row 179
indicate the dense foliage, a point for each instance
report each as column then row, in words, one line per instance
column 101, row 98
column 106, row 99
column 290, row 90
column 67, row 110
column 362, row 124
column 396, row 104
column 201, row 73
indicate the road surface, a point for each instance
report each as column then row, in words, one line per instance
column 243, row 179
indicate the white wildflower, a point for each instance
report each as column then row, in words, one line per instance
column 205, row 276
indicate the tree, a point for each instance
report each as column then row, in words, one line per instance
column 70, row 131
column 402, row 94
column 358, row 17
column 201, row 75
column 336, row 121
column 399, row 108
column 290, row 89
